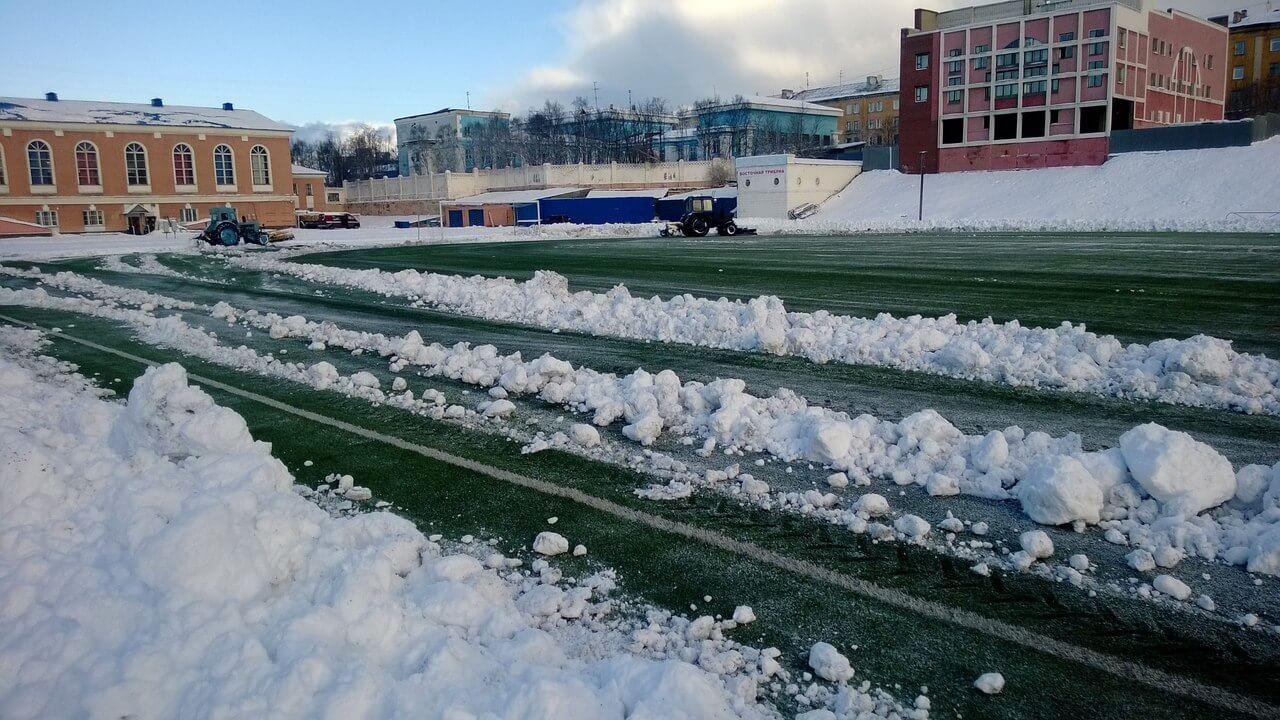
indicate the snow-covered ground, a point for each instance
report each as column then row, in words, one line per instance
column 160, row 563
column 1201, row 371
column 1158, row 491
column 1184, row 190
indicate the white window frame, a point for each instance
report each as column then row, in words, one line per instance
column 922, row 61
column 1237, row 72
column 145, row 176
column 187, row 214
column 52, row 186
column 219, row 186
column 1275, row 44
column 97, row 167
column 173, row 160
column 922, row 93
column 266, row 169
column 4, row 174
column 42, row 215
column 94, row 227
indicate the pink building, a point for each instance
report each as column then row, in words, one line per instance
column 1043, row 83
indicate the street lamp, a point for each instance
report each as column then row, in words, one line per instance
column 920, row 214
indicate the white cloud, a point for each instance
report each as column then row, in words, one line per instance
column 686, row 49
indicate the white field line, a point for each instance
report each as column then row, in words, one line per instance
column 1123, row 669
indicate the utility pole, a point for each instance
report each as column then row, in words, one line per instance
column 595, row 90
column 468, row 99
column 920, row 215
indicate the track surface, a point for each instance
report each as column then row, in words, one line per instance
column 898, row 645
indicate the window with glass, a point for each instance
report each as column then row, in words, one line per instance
column 1006, row 91
column 1067, row 52
column 981, row 63
column 955, row 52
column 954, row 97
column 1273, row 70
column 87, row 164
column 184, row 165
column 1275, row 44
column 187, row 215
column 40, row 162
column 1007, row 60
column 955, row 67
column 1007, row 75
column 1097, row 48
column 1097, row 33
column 93, row 218
column 260, row 165
column 1036, row 57
column 1066, row 37
column 1036, row 71
column 1035, row 88
column 224, row 172
column 982, row 49
column 3, row 178
column 922, row 94
column 1238, row 48
column 1237, row 72
column 47, row 218
column 1097, row 80
column 135, row 164
column 922, row 61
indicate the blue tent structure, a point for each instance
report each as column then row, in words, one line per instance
column 603, row 206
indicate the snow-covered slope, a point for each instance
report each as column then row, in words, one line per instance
column 1191, row 190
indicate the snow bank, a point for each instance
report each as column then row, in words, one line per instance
column 1201, row 370
column 1131, row 191
column 1054, row 478
column 159, row 563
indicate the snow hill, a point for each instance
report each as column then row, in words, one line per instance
column 1191, row 190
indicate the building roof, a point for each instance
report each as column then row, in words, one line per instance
column 775, row 103
column 727, row 191
column 460, row 111
column 505, row 197
column 96, row 112
column 1261, row 18
column 13, row 226
column 849, row 90
column 301, row 170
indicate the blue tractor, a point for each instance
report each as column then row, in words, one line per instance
column 226, row 229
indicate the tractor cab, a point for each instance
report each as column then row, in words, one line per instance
column 225, row 228
column 701, row 213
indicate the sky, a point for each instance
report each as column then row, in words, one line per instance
column 327, row 64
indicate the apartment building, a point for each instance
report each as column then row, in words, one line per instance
column 89, row 166
column 870, row 108
column 1255, row 62
column 1039, row 83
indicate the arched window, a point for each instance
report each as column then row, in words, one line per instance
column 40, row 162
column 135, row 164
column 184, row 165
column 260, row 165
column 87, row 164
column 224, row 171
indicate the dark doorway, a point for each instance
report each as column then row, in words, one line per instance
column 1121, row 114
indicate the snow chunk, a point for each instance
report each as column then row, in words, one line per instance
column 990, row 683
column 1176, row 469
column 549, row 543
column 584, row 435
column 743, row 614
column 1036, row 543
column 1171, row 586
column 829, row 664
column 873, row 504
column 1060, row 490
column 913, row 526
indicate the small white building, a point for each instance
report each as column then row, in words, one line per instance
column 769, row 186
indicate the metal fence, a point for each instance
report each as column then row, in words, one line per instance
column 880, row 157
column 1234, row 133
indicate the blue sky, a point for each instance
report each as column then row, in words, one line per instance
column 334, row 63
column 319, row 60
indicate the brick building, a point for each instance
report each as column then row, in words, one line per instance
column 1040, row 83
column 870, row 108
column 87, row 166
column 1255, row 62
column 311, row 193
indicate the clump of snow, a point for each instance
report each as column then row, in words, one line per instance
column 1036, row 543
column 991, row 683
column 1171, row 586
column 549, row 543
column 743, row 614
column 1058, row 489
column 829, row 664
column 1185, row 474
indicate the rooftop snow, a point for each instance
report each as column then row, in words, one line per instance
column 112, row 113
column 848, row 90
column 500, row 197
column 301, row 170
column 760, row 101
column 644, row 192
column 1262, row 18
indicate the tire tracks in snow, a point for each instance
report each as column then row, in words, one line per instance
column 1124, row 669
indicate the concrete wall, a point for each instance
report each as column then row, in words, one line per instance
column 1189, row 137
column 771, row 185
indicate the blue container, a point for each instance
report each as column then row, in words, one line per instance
column 598, row 210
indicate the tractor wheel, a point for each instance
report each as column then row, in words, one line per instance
column 730, row 229
column 698, row 227
column 227, row 233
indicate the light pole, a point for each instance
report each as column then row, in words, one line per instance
column 920, row 214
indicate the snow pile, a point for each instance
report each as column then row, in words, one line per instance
column 1201, row 370
column 1131, row 191
column 159, row 563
